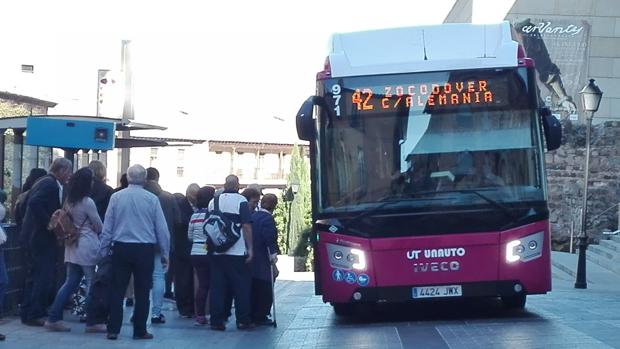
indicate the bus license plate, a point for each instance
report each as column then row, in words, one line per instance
column 437, row 291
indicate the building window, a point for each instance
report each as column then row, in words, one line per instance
column 180, row 171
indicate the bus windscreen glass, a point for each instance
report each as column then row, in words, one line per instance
column 392, row 136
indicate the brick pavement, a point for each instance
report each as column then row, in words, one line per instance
column 564, row 318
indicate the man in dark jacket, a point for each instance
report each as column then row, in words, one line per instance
column 44, row 198
column 100, row 192
column 264, row 238
column 181, row 261
column 173, row 218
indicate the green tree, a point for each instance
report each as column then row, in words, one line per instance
column 301, row 206
column 280, row 215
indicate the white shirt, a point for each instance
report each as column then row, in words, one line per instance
column 233, row 203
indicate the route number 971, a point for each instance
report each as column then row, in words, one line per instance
column 336, row 90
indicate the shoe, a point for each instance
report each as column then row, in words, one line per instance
column 200, row 321
column 266, row 322
column 186, row 315
column 112, row 336
column 34, row 322
column 99, row 328
column 129, row 302
column 57, row 326
column 161, row 319
column 218, row 327
column 144, row 336
column 246, row 326
column 2, row 337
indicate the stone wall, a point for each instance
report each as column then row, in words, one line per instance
column 565, row 172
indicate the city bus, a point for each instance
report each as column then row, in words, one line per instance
column 427, row 148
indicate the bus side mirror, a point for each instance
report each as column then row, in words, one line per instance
column 304, row 121
column 552, row 128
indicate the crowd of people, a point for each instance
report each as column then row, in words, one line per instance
column 138, row 244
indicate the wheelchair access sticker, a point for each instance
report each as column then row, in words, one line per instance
column 350, row 277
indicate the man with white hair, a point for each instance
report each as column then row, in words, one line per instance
column 45, row 197
column 134, row 230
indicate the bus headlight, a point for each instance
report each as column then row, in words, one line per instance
column 347, row 258
column 511, row 251
column 360, row 263
column 516, row 249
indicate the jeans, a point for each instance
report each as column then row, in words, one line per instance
column 75, row 273
column 128, row 259
column 4, row 279
column 159, row 286
column 229, row 274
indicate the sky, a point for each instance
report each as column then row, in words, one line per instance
column 207, row 70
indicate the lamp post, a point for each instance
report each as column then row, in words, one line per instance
column 591, row 99
column 289, row 196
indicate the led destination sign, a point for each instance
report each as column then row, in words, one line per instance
column 384, row 94
column 463, row 92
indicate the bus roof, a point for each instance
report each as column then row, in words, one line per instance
column 421, row 49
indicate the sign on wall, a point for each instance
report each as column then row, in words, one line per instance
column 560, row 52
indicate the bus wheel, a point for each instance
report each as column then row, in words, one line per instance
column 343, row 309
column 514, row 302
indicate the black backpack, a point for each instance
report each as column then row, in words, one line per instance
column 221, row 232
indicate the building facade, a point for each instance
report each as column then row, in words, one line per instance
column 582, row 38
column 264, row 163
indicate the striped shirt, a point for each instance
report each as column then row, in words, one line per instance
column 195, row 233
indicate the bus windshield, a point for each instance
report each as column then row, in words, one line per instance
column 429, row 139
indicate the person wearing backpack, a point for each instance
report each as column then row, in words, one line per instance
column 44, row 198
column 229, row 232
column 81, row 255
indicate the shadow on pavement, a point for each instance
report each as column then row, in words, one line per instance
column 432, row 311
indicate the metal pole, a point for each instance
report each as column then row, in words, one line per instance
column 288, row 229
column 128, row 110
column 583, row 238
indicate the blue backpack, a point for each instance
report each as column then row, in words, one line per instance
column 221, row 232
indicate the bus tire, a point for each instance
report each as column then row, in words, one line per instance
column 514, row 302
column 343, row 309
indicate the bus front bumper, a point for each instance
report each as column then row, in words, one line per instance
column 407, row 293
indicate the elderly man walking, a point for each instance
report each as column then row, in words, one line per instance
column 134, row 230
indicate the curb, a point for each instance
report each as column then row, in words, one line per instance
column 564, row 268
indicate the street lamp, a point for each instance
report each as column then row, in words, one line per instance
column 591, row 99
column 289, row 196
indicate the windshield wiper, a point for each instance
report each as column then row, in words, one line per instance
column 494, row 203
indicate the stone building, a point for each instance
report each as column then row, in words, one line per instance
column 17, row 158
column 583, row 40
